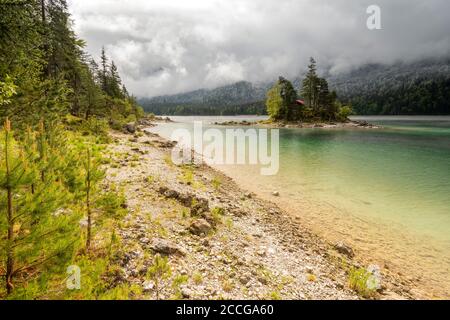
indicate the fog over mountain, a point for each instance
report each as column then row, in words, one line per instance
column 365, row 78
column 167, row 47
column 421, row 87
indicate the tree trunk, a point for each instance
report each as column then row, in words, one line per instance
column 45, row 44
column 89, row 221
column 43, row 11
column 10, row 254
column 88, row 201
column 10, row 248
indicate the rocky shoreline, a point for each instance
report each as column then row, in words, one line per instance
column 310, row 125
column 221, row 242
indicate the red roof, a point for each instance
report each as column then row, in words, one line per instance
column 302, row 102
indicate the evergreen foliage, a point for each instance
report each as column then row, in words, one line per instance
column 280, row 101
column 43, row 60
column 415, row 97
column 93, row 175
column 60, row 104
column 319, row 104
column 39, row 225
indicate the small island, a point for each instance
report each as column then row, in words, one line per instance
column 313, row 106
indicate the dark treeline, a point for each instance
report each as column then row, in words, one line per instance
column 415, row 97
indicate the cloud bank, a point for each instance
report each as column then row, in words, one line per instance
column 172, row 46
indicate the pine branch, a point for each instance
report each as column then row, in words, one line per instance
column 41, row 236
column 46, row 184
column 38, row 262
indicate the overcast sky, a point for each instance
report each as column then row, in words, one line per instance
column 171, row 46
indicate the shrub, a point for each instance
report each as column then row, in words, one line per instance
column 344, row 113
column 159, row 271
column 217, row 213
column 359, row 280
column 96, row 127
column 197, row 278
column 216, row 182
column 113, row 203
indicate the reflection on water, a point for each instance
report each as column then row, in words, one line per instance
column 385, row 191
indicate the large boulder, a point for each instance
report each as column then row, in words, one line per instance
column 130, row 127
column 166, row 247
column 200, row 227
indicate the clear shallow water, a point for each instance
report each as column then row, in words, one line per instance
column 385, row 191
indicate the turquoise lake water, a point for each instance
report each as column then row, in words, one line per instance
column 385, row 190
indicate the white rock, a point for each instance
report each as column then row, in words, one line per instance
column 148, row 286
column 186, row 293
column 309, row 269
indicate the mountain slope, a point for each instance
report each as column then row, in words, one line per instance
column 237, row 93
column 415, row 88
column 418, row 88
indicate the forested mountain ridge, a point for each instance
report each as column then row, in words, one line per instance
column 417, row 88
column 238, row 98
column 402, row 88
column 239, row 92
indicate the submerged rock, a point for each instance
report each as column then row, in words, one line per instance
column 344, row 249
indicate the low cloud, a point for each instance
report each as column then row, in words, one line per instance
column 171, row 46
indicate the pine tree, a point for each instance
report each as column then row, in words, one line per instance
column 64, row 49
column 309, row 90
column 326, row 101
column 20, row 55
column 125, row 92
column 115, row 83
column 158, row 272
column 92, row 101
column 38, row 226
column 289, row 96
column 93, row 174
column 104, row 71
column 43, row 58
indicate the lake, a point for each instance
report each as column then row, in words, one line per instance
column 384, row 191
